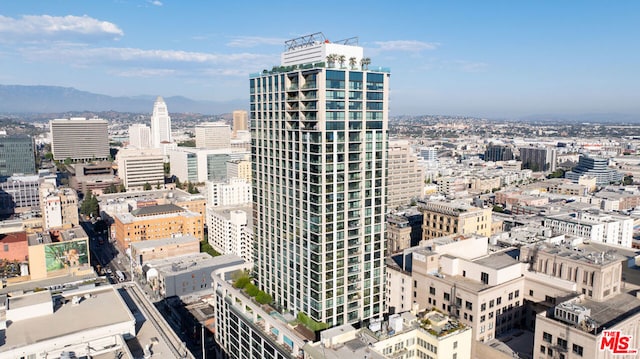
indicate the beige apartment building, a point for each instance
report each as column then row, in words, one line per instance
column 456, row 275
column 574, row 329
column 443, row 218
column 596, row 275
column 125, row 202
column 59, row 206
column 240, row 121
column 239, row 169
column 398, row 234
column 405, row 175
column 411, row 335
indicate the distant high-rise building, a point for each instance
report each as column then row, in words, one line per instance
column 538, row 159
column 240, row 121
column 79, row 139
column 199, row 164
column 19, row 193
column 16, row 155
column 140, row 136
column 213, row 135
column 160, row 124
column 429, row 154
column 497, row 152
column 239, row 169
column 405, row 177
column 594, row 167
column 319, row 133
column 137, row 168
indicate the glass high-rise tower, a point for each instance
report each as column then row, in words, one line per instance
column 319, row 146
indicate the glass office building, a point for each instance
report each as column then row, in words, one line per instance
column 319, row 149
column 17, row 155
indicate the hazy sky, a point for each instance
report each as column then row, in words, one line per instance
column 482, row 58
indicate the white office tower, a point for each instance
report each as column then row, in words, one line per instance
column 139, row 136
column 319, row 132
column 231, row 231
column 138, row 168
column 213, row 135
column 233, row 192
column 160, row 124
column 79, row 139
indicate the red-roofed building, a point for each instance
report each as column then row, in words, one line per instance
column 14, row 246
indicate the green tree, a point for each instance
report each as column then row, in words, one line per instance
column 48, row 156
column 111, row 189
column 67, row 161
column 90, row 206
column 628, row 180
column 251, row 289
column 242, row 282
column 167, row 168
column 146, row 186
column 191, row 188
column 559, row 173
column 498, row 209
column 263, row 298
column 187, row 143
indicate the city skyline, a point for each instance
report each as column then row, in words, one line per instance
column 491, row 59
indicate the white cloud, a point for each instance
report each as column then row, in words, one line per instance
column 406, row 45
column 135, row 62
column 46, row 28
column 82, row 53
column 155, row 2
column 468, row 66
column 141, row 72
column 252, row 41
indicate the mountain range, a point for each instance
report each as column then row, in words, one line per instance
column 49, row 99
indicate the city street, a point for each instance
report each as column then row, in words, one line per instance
column 105, row 257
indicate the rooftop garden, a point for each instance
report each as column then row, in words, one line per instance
column 243, row 281
column 440, row 325
column 310, row 323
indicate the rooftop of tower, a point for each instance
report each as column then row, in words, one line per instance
column 316, row 39
column 317, row 51
column 316, row 48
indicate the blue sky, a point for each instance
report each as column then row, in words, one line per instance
column 478, row 58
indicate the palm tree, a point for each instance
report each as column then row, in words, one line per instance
column 365, row 62
column 352, row 62
column 341, row 59
column 331, row 59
